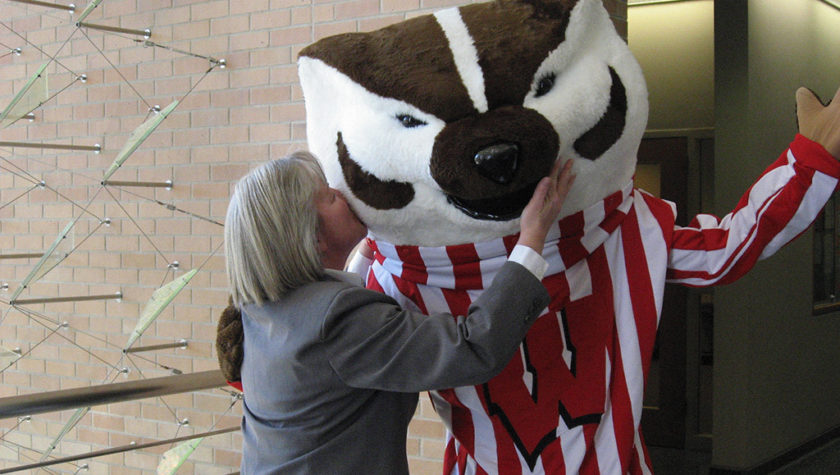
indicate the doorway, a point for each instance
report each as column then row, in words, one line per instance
column 678, row 166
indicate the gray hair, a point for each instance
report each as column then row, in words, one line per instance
column 271, row 229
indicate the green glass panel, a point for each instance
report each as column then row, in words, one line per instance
column 176, row 456
column 57, row 252
column 88, row 9
column 7, row 358
column 74, row 419
column 32, row 95
column 160, row 299
column 138, row 136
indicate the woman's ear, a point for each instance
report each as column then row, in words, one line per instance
column 322, row 247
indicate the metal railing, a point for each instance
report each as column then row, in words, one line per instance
column 52, row 401
column 115, row 450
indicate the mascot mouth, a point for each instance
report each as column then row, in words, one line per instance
column 499, row 208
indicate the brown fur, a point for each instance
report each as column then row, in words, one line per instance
column 608, row 130
column 453, row 165
column 512, row 39
column 374, row 192
column 229, row 338
column 409, row 61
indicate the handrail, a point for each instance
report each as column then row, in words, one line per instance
column 116, row 450
column 28, row 404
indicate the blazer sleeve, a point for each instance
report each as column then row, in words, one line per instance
column 373, row 343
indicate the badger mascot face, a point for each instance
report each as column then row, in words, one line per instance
column 438, row 128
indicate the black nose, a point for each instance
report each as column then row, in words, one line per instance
column 498, row 162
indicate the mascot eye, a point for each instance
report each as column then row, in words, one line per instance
column 409, row 122
column 545, row 85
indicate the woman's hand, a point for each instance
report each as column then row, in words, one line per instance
column 817, row 122
column 541, row 212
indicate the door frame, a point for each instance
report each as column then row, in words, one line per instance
column 699, row 192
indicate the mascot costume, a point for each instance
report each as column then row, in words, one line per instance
column 437, row 129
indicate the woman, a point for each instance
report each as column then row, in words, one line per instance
column 331, row 370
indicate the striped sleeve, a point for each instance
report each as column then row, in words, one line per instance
column 777, row 208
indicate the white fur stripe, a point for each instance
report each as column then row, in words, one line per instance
column 465, row 55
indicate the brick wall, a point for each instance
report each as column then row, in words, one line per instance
column 228, row 121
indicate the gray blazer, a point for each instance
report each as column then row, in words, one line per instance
column 331, row 371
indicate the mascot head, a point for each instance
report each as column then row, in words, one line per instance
column 438, row 128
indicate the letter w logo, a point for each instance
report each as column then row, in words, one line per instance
column 561, row 371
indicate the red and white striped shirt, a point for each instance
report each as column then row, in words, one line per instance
column 571, row 401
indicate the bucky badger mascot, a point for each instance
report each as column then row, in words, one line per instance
column 438, row 128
